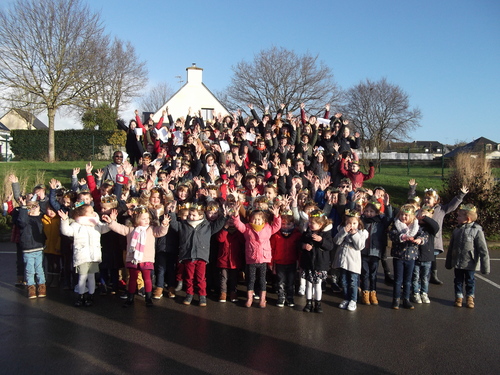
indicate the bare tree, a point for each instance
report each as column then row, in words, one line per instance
column 380, row 112
column 50, row 49
column 278, row 75
column 156, row 97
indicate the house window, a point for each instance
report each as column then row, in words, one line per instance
column 489, row 147
column 206, row 113
column 438, row 150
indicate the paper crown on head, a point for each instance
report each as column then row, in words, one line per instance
column 352, row 213
column 468, row 207
column 416, row 199
column 408, row 209
column 109, row 201
column 317, row 213
column 140, row 210
column 431, row 193
column 287, row 212
column 79, row 204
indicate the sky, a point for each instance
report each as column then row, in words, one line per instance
column 444, row 54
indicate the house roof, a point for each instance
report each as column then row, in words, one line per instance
column 474, row 146
column 37, row 124
column 3, row 127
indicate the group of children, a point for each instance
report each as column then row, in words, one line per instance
column 194, row 218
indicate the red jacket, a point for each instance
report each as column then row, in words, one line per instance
column 358, row 177
column 286, row 249
column 231, row 249
column 144, row 130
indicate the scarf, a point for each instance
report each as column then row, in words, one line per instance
column 257, row 228
column 404, row 229
column 138, row 244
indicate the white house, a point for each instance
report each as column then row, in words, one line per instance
column 193, row 94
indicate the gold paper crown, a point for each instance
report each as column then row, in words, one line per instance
column 108, row 182
column 317, row 213
column 407, row 209
column 140, row 210
column 352, row 213
column 109, row 201
column 287, row 213
column 431, row 192
column 468, row 207
column 415, row 199
column 377, row 204
column 133, row 200
column 191, row 206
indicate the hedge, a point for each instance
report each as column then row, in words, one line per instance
column 69, row 144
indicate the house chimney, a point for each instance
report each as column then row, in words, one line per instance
column 194, row 74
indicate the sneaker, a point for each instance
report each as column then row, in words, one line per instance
column 233, row 297
column 223, row 297
column 141, row 293
column 89, row 301
column 281, row 302
column 343, row 304
column 352, row 306
column 158, row 293
column 289, row 302
column 42, row 291
column 302, row 290
column 425, row 298
column 415, row 297
column 171, row 292
column 31, row 291
column 203, row 301
column 256, row 297
column 178, row 288
column 188, row 299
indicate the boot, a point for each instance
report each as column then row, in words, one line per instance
column 31, row 291
column 171, row 292
column 130, row 300
column 42, row 291
column 249, row 298
column 317, row 307
column 262, row 303
column 407, row 304
column 470, row 302
column 373, row 298
column 395, row 303
column 434, row 278
column 458, row 302
column 149, row 299
column 89, row 301
column 308, row 307
column 80, row 301
column 365, row 297
column 178, row 288
column 158, row 293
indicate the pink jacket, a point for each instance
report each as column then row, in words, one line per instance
column 152, row 232
column 257, row 244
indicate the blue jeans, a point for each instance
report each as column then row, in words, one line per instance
column 350, row 282
column 369, row 273
column 33, row 264
column 420, row 279
column 467, row 277
column 403, row 271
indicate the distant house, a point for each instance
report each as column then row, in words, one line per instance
column 427, row 147
column 478, row 146
column 13, row 120
column 193, row 94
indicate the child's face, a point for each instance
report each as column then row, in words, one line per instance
column 406, row 218
column 251, row 183
column 430, row 200
column 354, row 167
column 212, row 215
column 154, row 199
column 369, row 212
column 270, row 193
column 66, row 201
column 257, row 219
column 195, row 215
column 183, row 214
column 34, row 210
column 462, row 217
column 352, row 222
column 182, row 194
column 50, row 212
column 314, row 225
column 143, row 220
column 287, row 225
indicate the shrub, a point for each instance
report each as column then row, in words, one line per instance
column 475, row 172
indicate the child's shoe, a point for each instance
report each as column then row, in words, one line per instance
column 395, row 303
column 308, row 307
column 203, row 301
column 223, row 297
column 158, row 293
column 249, row 298
column 352, row 306
column 31, row 291
column 317, row 307
column 149, row 299
column 343, row 304
column 80, row 301
column 470, row 302
column 365, row 297
column 425, row 298
column 415, row 297
column 407, row 304
column 262, row 302
column 89, row 301
column 233, row 296
column 290, row 302
column 141, row 292
column 171, row 292
column 188, row 299
column 178, row 288
column 373, row 298
column 130, row 300
column 20, row 281
column 281, row 302
column 42, row 291
column 458, row 302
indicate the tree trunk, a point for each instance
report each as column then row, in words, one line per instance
column 52, row 150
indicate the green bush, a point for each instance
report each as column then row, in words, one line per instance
column 69, row 144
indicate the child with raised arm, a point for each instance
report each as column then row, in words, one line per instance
column 86, row 229
column 258, row 253
column 140, row 255
column 466, row 251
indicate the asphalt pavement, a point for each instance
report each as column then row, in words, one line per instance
column 51, row 336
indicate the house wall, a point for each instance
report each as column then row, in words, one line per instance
column 13, row 120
